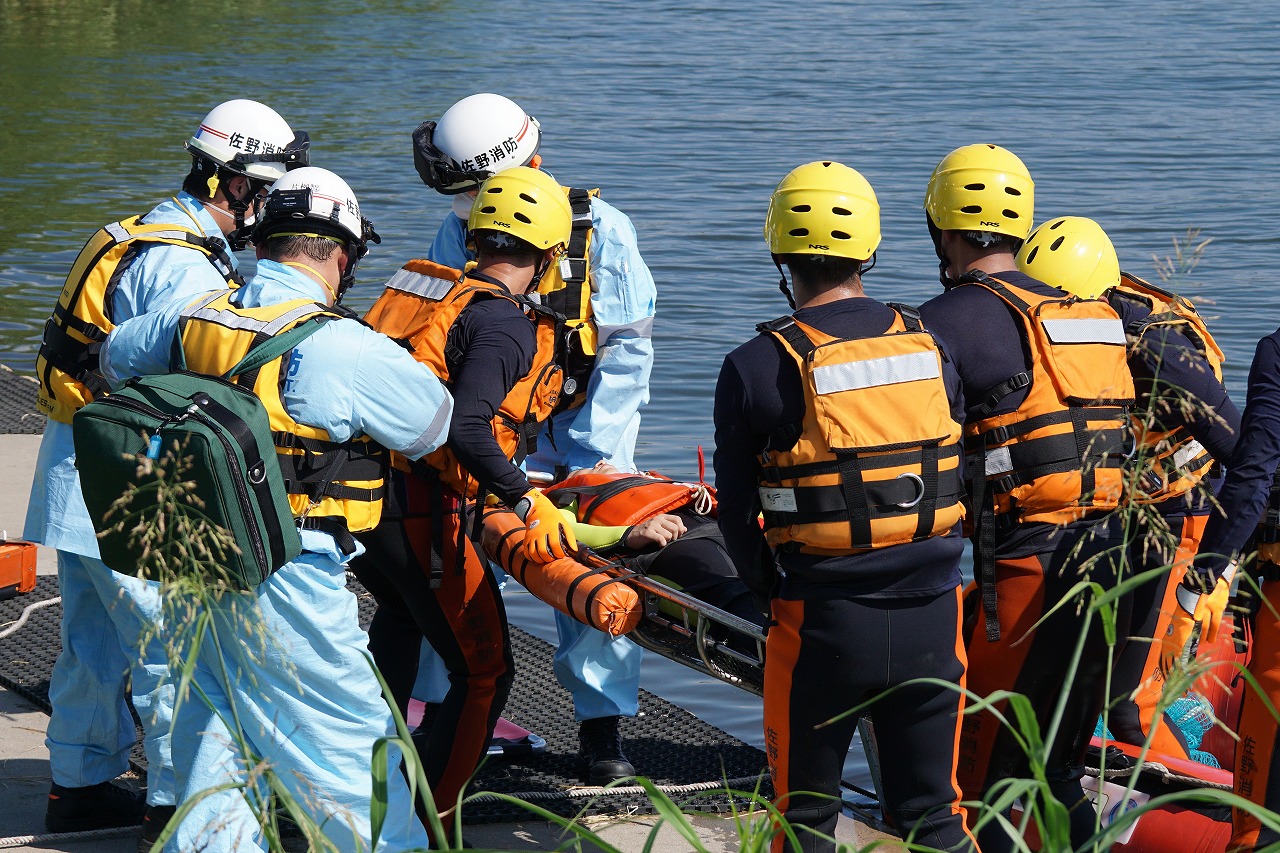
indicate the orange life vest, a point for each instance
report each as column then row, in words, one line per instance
column 1060, row 454
column 877, row 462
column 1173, row 461
column 420, row 305
column 622, row 499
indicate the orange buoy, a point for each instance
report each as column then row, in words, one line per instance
column 592, row 596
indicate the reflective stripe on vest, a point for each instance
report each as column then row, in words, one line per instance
column 67, row 361
column 1061, row 453
column 877, row 462
column 424, row 323
column 334, row 486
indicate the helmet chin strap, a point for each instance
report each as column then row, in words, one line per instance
column 782, row 283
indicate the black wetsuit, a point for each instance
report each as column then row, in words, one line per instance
column 1176, row 387
column 846, row 628
column 422, row 541
column 1036, row 564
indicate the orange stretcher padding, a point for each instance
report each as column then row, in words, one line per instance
column 591, row 596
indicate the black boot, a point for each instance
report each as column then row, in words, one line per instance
column 100, row 806
column 600, row 752
column 156, row 819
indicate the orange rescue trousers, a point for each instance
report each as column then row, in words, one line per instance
column 463, row 619
column 1138, row 665
column 1257, row 768
column 827, row 656
column 1037, row 664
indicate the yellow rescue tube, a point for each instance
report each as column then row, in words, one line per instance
column 593, row 598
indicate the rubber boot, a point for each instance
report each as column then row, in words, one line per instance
column 100, row 806
column 600, row 752
column 153, row 824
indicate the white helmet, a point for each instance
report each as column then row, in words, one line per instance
column 312, row 200
column 251, row 139
column 477, row 137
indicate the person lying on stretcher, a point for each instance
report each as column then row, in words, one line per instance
column 663, row 529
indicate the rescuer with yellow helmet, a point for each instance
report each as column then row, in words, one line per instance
column 605, row 292
column 840, row 423
column 495, row 349
column 180, row 248
column 1047, row 395
column 337, row 402
column 1183, row 422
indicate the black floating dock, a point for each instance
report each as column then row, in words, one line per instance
column 685, row 756
column 18, row 404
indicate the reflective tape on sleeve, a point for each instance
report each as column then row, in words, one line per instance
column 873, row 372
column 1094, row 331
column 777, row 500
column 423, row 285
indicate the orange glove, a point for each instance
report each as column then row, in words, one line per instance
column 548, row 535
column 1195, row 609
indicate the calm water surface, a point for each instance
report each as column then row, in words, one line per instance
column 1151, row 118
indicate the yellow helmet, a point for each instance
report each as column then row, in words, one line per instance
column 524, row 203
column 981, row 188
column 1071, row 253
column 823, row 208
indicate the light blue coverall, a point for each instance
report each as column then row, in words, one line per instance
column 105, row 615
column 602, row 672
column 311, row 707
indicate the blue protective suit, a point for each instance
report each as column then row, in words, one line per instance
column 310, row 706
column 109, row 620
column 602, row 672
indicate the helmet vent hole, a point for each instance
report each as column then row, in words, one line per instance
column 840, row 235
column 1012, row 214
column 975, row 187
column 522, row 218
column 494, row 190
column 1054, row 226
column 1053, row 247
column 488, row 208
column 801, row 208
column 528, row 198
column 1031, row 256
column 1013, row 191
column 840, row 211
column 971, row 208
column 799, row 232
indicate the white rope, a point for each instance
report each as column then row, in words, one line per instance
column 702, row 502
column 66, row 837
column 27, row 611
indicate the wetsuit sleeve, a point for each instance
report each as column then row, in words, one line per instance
column 736, row 469
column 1252, row 465
column 623, row 298
column 498, row 344
column 450, row 245
column 1165, row 364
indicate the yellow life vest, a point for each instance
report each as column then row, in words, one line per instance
column 566, row 290
column 1061, row 453
column 335, row 487
column 67, row 363
column 877, row 462
column 420, row 306
column 1174, row 462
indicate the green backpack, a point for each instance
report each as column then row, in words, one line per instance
column 195, row 456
